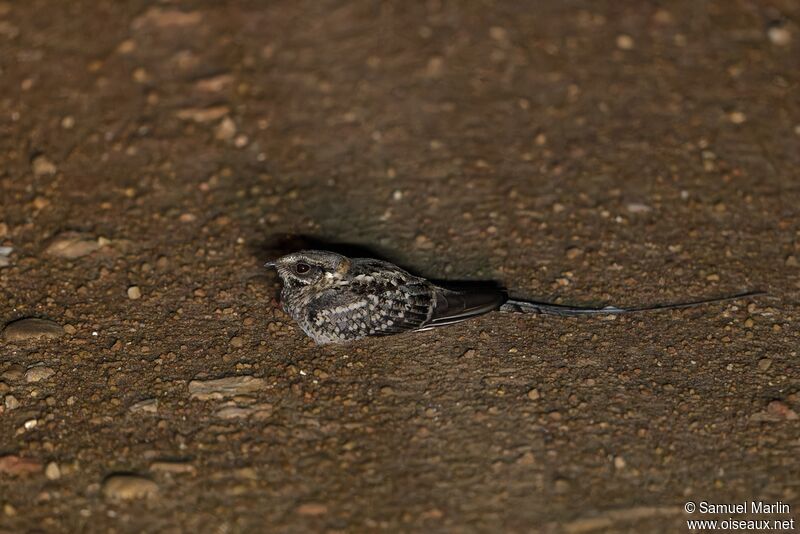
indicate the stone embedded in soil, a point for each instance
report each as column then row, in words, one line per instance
column 637, row 207
column 625, row 42
column 779, row 35
column 234, row 412
column 225, row 387
column 162, row 18
column 43, row 166
column 52, row 471
column 312, row 508
column 225, row 130
column 172, row 467
column 14, row 465
column 201, row 115
column 775, row 412
column 10, row 402
column 214, row 84
column 5, row 252
column 259, row 411
column 13, row 373
column 134, row 293
column 72, row 246
column 145, row 406
column 31, row 328
column 574, row 252
column 38, row 373
column 781, row 410
column 125, row 486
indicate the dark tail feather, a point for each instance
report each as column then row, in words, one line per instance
column 524, row 306
column 456, row 306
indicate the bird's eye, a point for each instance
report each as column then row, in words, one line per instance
column 302, row 268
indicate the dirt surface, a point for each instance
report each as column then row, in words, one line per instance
column 154, row 154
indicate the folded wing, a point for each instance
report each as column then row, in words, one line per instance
column 456, row 306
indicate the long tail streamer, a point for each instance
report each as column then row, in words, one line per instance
column 524, row 306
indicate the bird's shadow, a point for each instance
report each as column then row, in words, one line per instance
column 277, row 245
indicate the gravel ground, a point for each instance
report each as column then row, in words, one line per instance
column 154, row 154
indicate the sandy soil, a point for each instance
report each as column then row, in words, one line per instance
column 154, row 154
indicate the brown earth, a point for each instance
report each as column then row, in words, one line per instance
column 154, row 154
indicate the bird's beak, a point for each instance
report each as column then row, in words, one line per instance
column 270, row 265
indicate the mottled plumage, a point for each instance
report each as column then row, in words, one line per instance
column 334, row 298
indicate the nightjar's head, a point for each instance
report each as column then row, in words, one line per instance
column 309, row 267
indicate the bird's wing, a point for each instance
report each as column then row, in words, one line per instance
column 373, row 305
column 456, row 306
column 435, row 306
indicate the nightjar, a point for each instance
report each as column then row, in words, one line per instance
column 334, row 298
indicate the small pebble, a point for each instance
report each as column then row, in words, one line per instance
column 748, row 323
column 534, row 394
column 312, row 508
column 13, row 373
column 71, row 246
column 779, row 35
column 764, row 364
column 226, row 129
column 203, row 114
column 127, row 486
column 791, row 261
column 225, row 387
column 134, row 293
column 737, row 117
column 619, row 462
column 43, row 166
column 172, row 467
column 574, row 252
column 241, row 141
column 10, row 402
column 127, row 46
column 214, row 84
column 637, row 207
column 5, row 252
column 52, row 471
column 234, row 412
column 422, row 241
column 38, row 373
column 527, row 459
column 625, row 42
column 31, row 328
column 498, row 34
column 237, row 342
column 145, row 406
